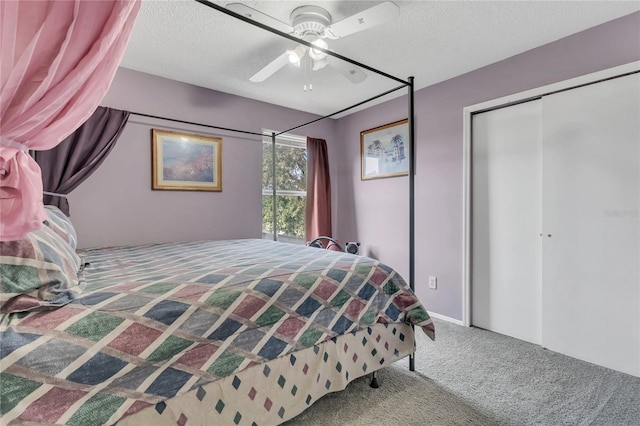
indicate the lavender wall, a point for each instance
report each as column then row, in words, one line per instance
column 376, row 213
column 116, row 205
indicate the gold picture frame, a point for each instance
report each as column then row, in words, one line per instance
column 186, row 161
column 384, row 151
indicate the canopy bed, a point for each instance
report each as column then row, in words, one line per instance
column 208, row 332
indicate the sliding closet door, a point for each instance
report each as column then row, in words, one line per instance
column 505, row 269
column 591, row 192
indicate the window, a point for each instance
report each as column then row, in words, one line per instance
column 291, row 187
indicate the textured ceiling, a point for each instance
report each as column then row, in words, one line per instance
column 431, row 40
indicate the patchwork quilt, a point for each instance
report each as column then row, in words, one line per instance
column 156, row 321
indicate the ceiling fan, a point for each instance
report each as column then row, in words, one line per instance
column 314, row 24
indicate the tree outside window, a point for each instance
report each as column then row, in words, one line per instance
column 291, row 188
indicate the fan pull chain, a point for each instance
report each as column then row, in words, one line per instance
column 310, row 65
column 307, row 74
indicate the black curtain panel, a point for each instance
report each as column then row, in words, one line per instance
column 72, row 161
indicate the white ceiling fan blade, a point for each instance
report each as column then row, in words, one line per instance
column 270, row 69
column 350, row 71
column 256, row 15
column 364, row 20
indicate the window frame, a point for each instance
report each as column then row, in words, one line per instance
column 287, row 140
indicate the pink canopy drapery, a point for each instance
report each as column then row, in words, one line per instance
column 58, row 59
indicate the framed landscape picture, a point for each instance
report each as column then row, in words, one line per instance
column 384, row 151
column 186, row 161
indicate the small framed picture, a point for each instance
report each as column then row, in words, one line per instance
column 384, row 152
column 186, row 161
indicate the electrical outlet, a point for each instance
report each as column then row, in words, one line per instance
column 433, row 283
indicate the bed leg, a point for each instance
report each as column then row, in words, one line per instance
column 374, row 380
column 412, row 362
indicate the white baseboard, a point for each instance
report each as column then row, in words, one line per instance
column 445, row 318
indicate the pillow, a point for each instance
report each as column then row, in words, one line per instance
column 60, row 223
column 38, row 272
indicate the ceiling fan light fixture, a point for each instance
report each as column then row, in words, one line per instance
column 295, row 55
column 293, row 58
column 319, row 64
column 318, row 54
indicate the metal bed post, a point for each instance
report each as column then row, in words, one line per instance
column 273, row 183
column 412, row 215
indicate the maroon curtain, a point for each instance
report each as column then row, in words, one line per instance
column 72, row 161
column 318, row 210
